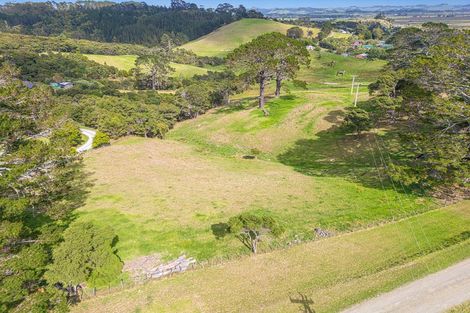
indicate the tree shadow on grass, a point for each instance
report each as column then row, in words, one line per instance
column 238, row 105
column 246, row 103
column 335, row 153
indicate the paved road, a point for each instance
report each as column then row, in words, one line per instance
column 89, row 143
column 435, row 293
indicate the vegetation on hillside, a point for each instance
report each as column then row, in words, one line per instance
column 231, row 36
column 424, row 95
column 40, row 44
column 40, row 185
column 307, row 165
column 129, row 22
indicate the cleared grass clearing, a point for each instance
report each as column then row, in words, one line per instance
column 320, row 72
column 121, row 62
column 169, row 195
column 127, row 62
column 298, row 114
column 334, row 273
column 229, row 37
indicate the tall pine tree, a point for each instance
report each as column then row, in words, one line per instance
column 40, row 185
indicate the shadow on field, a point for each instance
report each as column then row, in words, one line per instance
column 334, row 153
column 304, row 303
column 243, row 104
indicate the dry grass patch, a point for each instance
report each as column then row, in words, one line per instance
column 334, row 273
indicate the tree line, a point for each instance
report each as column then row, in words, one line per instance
column 128, row 22
column 423, row 97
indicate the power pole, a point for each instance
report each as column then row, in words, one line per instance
column 357, row 95
column 352, row 84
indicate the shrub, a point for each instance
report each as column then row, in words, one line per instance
column 357, row 120
column 68, row 134
column 101, row 139
column 87, row 254
column 249, row 228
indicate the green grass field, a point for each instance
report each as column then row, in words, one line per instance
column 334, row 273
column 127, row 62
column 227, row 38
column 173, row 196
column 173, row 193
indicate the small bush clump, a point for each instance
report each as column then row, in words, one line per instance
column 101, row 139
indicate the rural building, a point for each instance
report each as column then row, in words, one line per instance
column 361, row 56
column 63, row 85
column 357, row 44
column 28, row 84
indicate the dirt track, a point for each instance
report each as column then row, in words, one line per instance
column 432, row 294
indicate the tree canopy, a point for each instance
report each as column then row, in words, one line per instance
column 423, row 95
column 269, row 56
column 155, row 67
column 250, row 227
column 40, row 184
column 86, row 254
column 127, row 22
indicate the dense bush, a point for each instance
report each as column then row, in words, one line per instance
column 87, row 254
column 126, row 115
column 339, row 45
column 56, row 66
column 69, row 133
column 128, row 22
column 101, row 139
column 377, row 53
column 40, row 44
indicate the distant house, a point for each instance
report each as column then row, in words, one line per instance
column 368, row 46
column 62, row 85
column 361, row 56
column 342, row 31
column 345, row 54
column 310, row 48
column 28, row 84
column 384, row 45
column 357, row 44
column 66, row 85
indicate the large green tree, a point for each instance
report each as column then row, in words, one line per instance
column 423, row 96
column 290, row 56
column 250, row 228
column 155, row 67
column 40, row 185
column 295, row 32
column 266, row 57
column 86, row 254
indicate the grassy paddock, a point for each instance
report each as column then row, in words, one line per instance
column 229, row 37
column 168, row 196
column 127, row 62
column 334, row 273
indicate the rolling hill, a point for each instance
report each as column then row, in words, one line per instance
column 173, row 196
column 229, row 37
